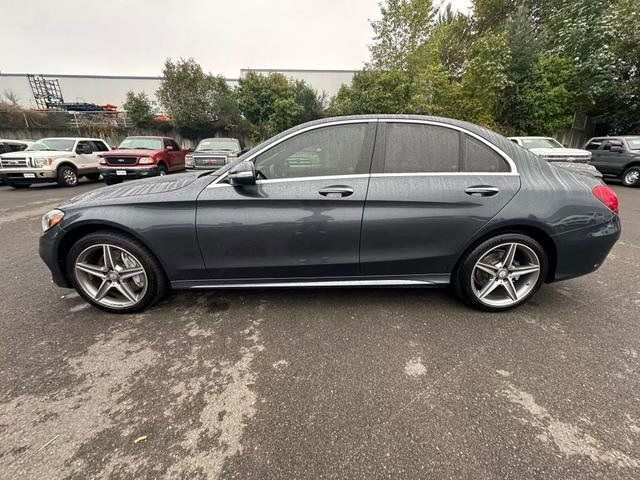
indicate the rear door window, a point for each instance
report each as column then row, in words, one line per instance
column 415, row 148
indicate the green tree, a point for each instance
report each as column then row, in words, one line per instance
column 549, row 97
column 199, row 104
column 272, row 103
column 373, row 91
column 139, row 109
column 404, row 26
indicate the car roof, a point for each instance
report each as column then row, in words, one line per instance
column 150, row 137
column 13, row 140
column 219, row 138
column 70, row 138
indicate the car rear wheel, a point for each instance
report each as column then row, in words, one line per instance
column 115, row 272
column 631, row 177
column 67, row 176
column 501, row 273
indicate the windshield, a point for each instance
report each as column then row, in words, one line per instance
column 529, row 143
column 634, row 143
column 53, row 144
column 133, row 143
column 209, row 144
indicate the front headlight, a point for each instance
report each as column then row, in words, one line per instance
column 51, row 219
column 145, row 161
column 41, row 162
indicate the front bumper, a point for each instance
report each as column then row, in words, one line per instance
column 125, row 173
column 48, row 249
column 583, row 251
column 27, row 175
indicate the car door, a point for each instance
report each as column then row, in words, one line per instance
column 173, row 156
column 612, row 161
column 302, row 219
column 86, row 160
column 432, row 188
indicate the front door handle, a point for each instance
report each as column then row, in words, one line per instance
column 482, row 191
column 336, row 191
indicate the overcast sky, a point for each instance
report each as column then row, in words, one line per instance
column 134, row 37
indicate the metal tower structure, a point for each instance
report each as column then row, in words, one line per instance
column 46, row 92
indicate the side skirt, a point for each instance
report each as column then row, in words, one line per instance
column 403, row 281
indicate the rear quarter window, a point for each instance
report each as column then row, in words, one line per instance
column 479, row 157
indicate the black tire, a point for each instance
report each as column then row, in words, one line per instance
column 93, row 177
column 631, row 177
column 112, row 181
column 462, row 277
column 157, row 284
column 19, row 186
column 67, row 176
column 162, row 170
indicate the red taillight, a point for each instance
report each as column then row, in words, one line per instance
column 608, row 197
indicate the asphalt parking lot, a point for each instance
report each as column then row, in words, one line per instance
column 286, row 384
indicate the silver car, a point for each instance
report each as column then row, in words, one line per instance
column 213, row 153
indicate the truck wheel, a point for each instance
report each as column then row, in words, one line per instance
column 94, row 177
column 67, row 176
column 631, row 177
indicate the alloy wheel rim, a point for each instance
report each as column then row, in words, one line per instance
column 633, row 176
column 111, row 276
column 70, row 176
column 505, row 274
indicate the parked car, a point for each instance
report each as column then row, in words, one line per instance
column 141, row 157
column 214, row 153
column 349, row 201
column 617, row 157
column 7, row 146
column 551, row 150
column 63, row 160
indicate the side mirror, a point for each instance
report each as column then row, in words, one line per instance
column 168, row 148
column 243, row 174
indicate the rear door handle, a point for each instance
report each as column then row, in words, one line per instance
column 482, row 191
column 336, row 191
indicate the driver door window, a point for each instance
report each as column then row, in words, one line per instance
column 327, row 151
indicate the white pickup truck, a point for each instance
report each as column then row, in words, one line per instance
column 63, row 160
column 553, row 151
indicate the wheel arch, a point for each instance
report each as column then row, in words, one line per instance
column 536, row 232
column 67, row 163
column 85, row 228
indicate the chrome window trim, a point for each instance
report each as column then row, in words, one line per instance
column 507, row 158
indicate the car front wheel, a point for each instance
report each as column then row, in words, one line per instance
column 67, row 176
column 501, row 273
column 115, row 272
column 631, row 177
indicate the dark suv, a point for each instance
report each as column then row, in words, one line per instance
column 617, row 157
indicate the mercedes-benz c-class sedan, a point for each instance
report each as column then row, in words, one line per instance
column 341, row 202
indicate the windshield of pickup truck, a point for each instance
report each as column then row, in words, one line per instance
column 140, row 144
column 210, row 144
column 53, row 144
column 634, row 143
column 529, row 143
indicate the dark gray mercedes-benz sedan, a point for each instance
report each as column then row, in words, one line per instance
column 349, row 201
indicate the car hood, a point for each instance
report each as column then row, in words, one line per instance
column 226, row 153
column 133, row 152
column 560, row 152
column 37, row 154
column 136, row 188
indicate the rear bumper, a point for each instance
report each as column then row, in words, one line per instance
column 130, row 172
column 583, row 251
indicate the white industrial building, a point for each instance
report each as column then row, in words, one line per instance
column 108, row 89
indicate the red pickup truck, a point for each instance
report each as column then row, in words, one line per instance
column 141, row 157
